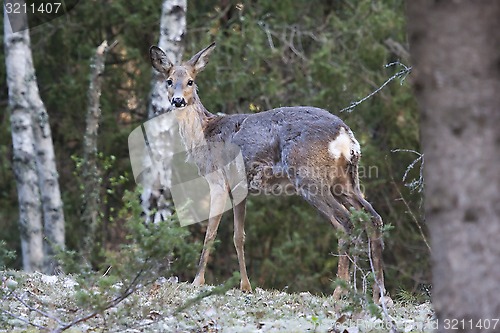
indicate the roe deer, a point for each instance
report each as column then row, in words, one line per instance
column 302, row 149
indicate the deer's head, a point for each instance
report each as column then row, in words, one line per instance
column 180, row 79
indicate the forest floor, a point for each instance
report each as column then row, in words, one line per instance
column 31, row 303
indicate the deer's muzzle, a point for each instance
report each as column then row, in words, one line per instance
column 178, row 102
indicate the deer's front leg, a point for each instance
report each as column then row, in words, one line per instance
column 218, row 198
column 239, row 243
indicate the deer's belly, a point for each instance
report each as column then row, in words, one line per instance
column 269, row 180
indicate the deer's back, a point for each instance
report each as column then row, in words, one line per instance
column 275, row 144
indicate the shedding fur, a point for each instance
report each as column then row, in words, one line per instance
column 344, row 145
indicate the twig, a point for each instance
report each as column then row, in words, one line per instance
column 265, row 27
column 32, row 308
column 414, row 218
column 107, row 271
column 364, row 284
column 287, row 39
column 131, row 288
column 26, row 321
column 111, row 46
column 387, row 318
column 416, row 184
column 401, row 75
column 111, row 304
column 419, row 184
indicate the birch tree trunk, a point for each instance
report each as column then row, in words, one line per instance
column 454, row 46
column 17, row 50
column 52, row 205
column 90, row 170
column 24, row 100
column 156, row 182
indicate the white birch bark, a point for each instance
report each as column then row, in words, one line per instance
column 52, row 205
column 24, row 154
column 156, row 182
column 24, row 88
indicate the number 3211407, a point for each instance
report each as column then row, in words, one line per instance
column 39, row 8
column 455, row 324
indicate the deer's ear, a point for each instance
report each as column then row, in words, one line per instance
column 200, row 59
column 159, row 60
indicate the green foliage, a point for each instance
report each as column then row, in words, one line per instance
column 6, row 255
column 292, row 245
column 218, row 290
column 112, row 182
column 151, row 251
column 316, row 321
column 408, row 297
column 270, row 54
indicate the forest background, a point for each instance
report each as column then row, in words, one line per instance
column 269, row 54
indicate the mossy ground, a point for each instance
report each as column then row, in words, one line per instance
column 155, row 308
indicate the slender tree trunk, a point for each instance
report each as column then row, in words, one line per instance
column 52, row 205
column 454, row 46
column 156, row 181
column 19, row 75
column 90, row 171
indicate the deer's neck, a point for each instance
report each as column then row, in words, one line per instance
column 192, row 121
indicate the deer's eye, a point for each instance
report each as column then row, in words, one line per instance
column 190, row 83
column 169, row 82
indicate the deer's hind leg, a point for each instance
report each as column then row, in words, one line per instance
column 376, row 246
column 343, row 266
column 339, row 216
column 353, row 197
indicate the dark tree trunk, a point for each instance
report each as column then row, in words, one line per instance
column 455, row 51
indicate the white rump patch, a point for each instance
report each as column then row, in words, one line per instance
column 345, row 144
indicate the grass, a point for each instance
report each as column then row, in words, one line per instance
column 47, row 301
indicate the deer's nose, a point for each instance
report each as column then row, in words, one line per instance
column 178, row 102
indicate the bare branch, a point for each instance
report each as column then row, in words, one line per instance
column 266, row 29
column 399, row 75
column 131, row 288
column 417, row 184
column 32, row 308
column 409, row 210
column 26, row 321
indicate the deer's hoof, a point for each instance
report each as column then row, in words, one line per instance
column 338, row 293
column 198, row 282
column 245, row 287
column 387, row 301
